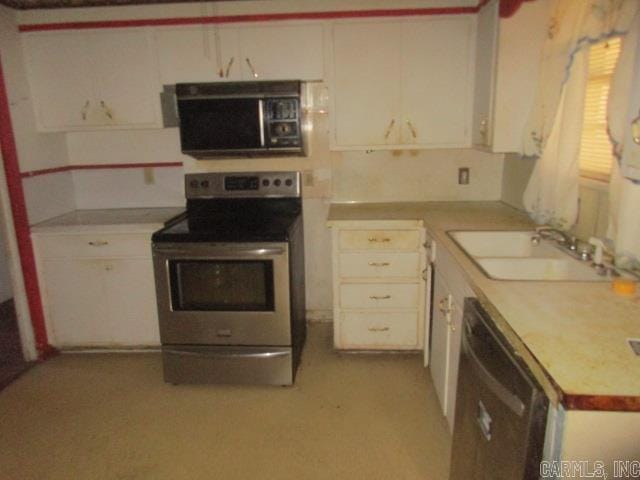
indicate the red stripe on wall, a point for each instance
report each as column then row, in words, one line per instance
column 266, row 17
column 105, row 166
column 21, row 222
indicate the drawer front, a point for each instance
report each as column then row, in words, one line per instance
column 94, row 245
column 379, row 295
column 379, row 239
column 379, row 265
column 379, row 330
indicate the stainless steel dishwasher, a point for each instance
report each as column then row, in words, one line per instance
column 501, row 410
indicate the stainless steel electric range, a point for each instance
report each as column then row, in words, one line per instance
column 230, row 280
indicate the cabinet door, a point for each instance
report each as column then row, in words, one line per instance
column 486, row 44
column 281, row 52
column 436, row 81
column 455, row 340
column 125, row 77
column 366, row 87
column 129, row 287
column 60, row 79
column 197, row 54
column 440, row 334
column 76, row 304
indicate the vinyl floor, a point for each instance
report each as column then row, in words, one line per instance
column 111, row 416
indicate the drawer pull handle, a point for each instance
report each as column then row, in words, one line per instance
column 380, row 297
column 379, row 240
column 379, row 264
column 99, row 243
column 378, row 329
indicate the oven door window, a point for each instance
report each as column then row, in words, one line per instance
column 222, row 285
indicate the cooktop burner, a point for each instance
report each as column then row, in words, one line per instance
column 260, row 207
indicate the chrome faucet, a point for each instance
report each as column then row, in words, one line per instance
column 559, row 235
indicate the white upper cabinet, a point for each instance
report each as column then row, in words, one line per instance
column 437, row 81
column 281, row 52
column 507, row 59
column 213, row 54
column 196, row 54
column 402, row 84
column 366, row 88
column 90, row 80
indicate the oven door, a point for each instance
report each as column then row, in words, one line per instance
column 223, row 293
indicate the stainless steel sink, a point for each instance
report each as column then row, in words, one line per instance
column 511, row 255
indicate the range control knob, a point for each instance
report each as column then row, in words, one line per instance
column 194, row 184
column 277, row 182
column 204, row 183
column 266, row 182
column 288, row 182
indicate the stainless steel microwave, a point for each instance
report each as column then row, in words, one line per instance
column 247, row 119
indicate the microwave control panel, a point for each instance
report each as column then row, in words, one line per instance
column 282, row 122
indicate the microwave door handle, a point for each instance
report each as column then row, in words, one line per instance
column 261, row 120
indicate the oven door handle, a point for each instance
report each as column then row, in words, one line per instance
column 227, row 354
column 222, row 252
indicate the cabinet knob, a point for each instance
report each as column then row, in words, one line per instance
column 106, row 109
column 414, row 134
column 378, row 329
column 98, row 243
column 379, row 240
column 387, row 132
column 379, row 297
column 84, row 110
column 253, row 71
column 228, row 69
column 379, row 264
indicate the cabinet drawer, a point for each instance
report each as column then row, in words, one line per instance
column 379, row 330
column 379, row 265
column 379, row 295
column 94, row 245
column 379, row 239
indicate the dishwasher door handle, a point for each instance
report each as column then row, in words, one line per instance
column 504, row 395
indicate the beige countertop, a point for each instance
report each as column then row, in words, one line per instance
column 572, row 334
column 113, row 220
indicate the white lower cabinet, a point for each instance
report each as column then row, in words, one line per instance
column 449, row 291
column 97, row 289
column 379, row 294
column 445, row 346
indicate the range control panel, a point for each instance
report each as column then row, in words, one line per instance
column 242, row 185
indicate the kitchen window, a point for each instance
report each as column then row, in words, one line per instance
column 595, row 155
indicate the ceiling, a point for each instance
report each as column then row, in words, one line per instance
column 30, row 4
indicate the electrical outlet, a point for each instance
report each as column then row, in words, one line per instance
column 463, row 176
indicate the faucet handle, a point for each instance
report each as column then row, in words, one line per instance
column 599, row 249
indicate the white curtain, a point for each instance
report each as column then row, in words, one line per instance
column 553, row 127
column 551, row 196
column 623, row 111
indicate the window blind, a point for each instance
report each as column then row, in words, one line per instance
column 595, row 148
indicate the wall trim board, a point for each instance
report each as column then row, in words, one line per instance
column 266, row 17
column 98, row 166
column 21, row 224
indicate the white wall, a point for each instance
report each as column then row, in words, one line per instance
column 48, row 195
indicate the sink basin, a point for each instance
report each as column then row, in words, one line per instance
column 510, row 255
column 542, row 269
column 503, row 244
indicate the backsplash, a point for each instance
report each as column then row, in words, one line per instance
column 418, row 176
